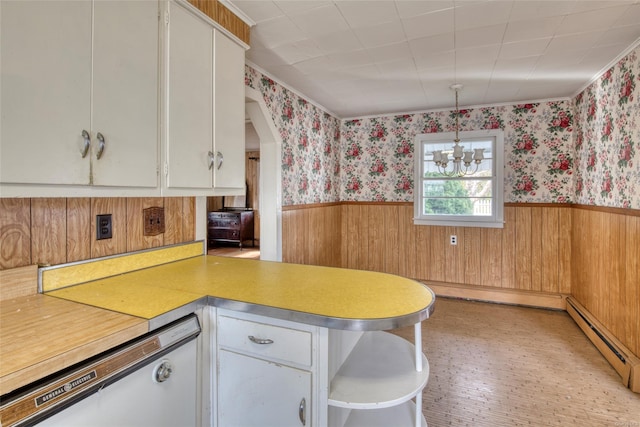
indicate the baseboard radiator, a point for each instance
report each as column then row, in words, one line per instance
column 621, row 358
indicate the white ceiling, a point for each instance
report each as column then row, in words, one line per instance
column 361, row 58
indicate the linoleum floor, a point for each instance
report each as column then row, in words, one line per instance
column 499, row 365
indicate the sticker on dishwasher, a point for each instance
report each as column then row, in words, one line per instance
column 65, row 388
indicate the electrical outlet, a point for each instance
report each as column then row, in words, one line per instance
column 453, row 239
column 104, row 229
column 153, row 221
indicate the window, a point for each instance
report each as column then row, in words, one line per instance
column 472, row 200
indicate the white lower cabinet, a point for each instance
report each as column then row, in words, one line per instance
column 258, row 392
column 272, row 372
column 268, row 372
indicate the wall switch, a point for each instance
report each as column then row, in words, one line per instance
column 103, row 227
column 453, row 239
column 153, row 221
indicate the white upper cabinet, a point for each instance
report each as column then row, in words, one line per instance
column 125, row 93
column 45, row 91
column 205, row 116
column 229, row 115
column 190, row 95
column 76, row 74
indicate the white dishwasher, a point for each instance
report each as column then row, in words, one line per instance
column 150, row 381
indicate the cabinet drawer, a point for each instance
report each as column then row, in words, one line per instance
column 286, row 344
column 225, row 234
column 224, row 223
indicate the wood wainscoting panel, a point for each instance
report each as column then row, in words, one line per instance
column 531, row 253
column 473, row 254
column 407, row 233
column 491, row 256
column 377, row 257
column 523, row 253
column 632, row 293
column 294, row 236
column 508, row 248
column 311, row 235
column 605, row 254
column 392, row 240
column 15, row 233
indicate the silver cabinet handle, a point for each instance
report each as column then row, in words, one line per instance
column 220, row 159
column 260, row 340
column 101, row 145
column 87, row 143
column 302, row 411
column 212, row 159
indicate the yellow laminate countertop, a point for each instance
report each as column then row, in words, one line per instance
column 326, row 296
column 42, row 334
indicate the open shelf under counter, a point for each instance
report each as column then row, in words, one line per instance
column 401, row 415
column 380, row 372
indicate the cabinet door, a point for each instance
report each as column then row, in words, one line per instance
column 229, row 114
column 255, row 392
column 45, row 91
column 125, row 93
column 190, row 115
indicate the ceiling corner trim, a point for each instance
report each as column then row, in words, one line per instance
column 239, row 13
column 604, row 69
column 289, row 88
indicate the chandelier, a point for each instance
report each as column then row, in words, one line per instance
column 462, row 160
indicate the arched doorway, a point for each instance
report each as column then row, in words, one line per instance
column 270, row 183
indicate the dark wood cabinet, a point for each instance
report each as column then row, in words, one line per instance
column 230, row 227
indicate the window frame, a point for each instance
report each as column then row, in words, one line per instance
column 496, row 220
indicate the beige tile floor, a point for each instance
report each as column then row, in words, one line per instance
column 498, row 365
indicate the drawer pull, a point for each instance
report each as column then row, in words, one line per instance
column 260, row 340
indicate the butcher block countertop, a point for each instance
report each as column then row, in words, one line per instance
column 40, row 334
column 70, row 323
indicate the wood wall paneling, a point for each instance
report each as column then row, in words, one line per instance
column 223, row 16
column 565, row 233
column 509, row 248
column 48, row 231
column 15, row 233
column 392, row 240
column 632, row 289
column 422, row 256
column 79, row 231
column 117, row 244
column 523, row 249
column 473, row 254
column 605, row 249
column 51, row 231
column 491, row 255
column 549, row 281
column 173, row 217
column 406, row 242
column 136, row 240
column 376, row 254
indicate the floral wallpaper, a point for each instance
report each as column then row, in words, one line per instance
column 575, row 151
column 378, row 153
column 608, row 137
column 310, row 143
